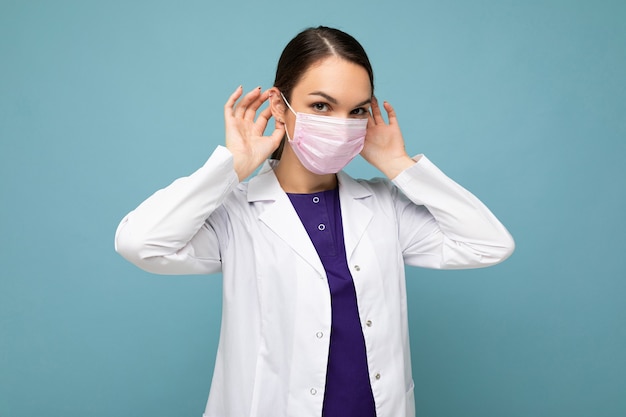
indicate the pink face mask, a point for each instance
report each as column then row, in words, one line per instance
column 324, row 144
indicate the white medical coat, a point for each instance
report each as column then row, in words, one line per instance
column 276, row 318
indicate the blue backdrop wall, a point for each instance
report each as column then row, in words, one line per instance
column 102, row 103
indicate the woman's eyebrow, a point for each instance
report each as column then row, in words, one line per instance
column 363, row 103
column 334, row 100
column 326, row 96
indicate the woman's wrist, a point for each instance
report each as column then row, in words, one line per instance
column 392, row 168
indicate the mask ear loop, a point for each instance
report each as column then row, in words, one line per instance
column 288, row 105
column 292, row 110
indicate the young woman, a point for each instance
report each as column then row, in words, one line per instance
column 314, row 318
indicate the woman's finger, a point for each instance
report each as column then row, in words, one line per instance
column 250, row 113
column 391, row 113
column 277, row 135
column 261, row 121
column 377, row 115
column 230, row 103
column 248, row 99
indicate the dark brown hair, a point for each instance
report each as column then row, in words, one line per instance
column 310, row 46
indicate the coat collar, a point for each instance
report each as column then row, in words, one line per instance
column 265, row 186
column 280, row 216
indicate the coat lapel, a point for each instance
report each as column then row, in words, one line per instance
column 355, row 214
column 280, row 216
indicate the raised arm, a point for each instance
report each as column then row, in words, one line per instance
column 442, row 225
column 168, row 233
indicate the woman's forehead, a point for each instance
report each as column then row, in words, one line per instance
column 337, row 78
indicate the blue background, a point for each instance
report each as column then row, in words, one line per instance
column 102, row 103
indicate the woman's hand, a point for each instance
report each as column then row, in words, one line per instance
column 244, row 135
column 384, row 145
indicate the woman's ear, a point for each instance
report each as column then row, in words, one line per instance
column 277, row 105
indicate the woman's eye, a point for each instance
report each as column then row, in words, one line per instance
column 320, row 107
column 359, row 112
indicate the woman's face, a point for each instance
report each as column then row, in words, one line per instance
column 332, row 87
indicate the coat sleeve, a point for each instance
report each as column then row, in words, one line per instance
column 169, row 233
column 444, row 226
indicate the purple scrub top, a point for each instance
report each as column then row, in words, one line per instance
column 348, row 391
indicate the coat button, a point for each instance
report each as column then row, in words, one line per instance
column 357, row 268
column 321, row 226
column 316, row 199
column 313, row 391
column 319, row 335
column 368, row 323
column 377, row 376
